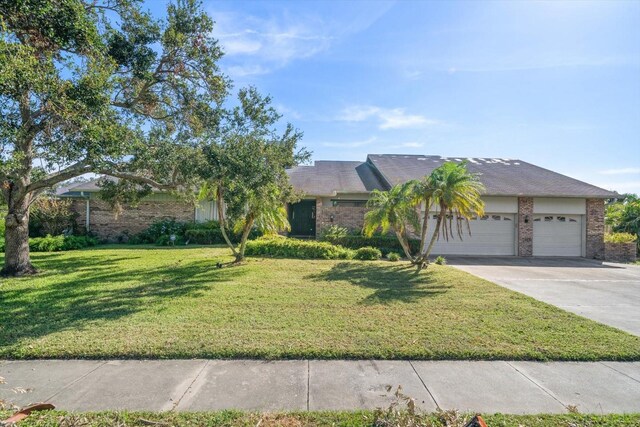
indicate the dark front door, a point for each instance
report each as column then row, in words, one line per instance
column 302, row 217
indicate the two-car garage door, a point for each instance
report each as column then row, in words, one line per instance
column 554, row 234
column 557, row 235
column 494, row 234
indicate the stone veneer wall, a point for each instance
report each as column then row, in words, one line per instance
column 104, row 223
column 595, row 229
column 525, row 230
column 345, row 216
column 620, row 252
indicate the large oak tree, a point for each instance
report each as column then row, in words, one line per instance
column 99, row 86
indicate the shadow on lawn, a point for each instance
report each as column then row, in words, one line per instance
column 93, row 292
column 390, row 283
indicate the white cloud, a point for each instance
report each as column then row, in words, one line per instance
column 351, row 144
column 620, row 171
column 388, row 118
column 257, row 45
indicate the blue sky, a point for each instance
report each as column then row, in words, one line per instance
column 553, row 83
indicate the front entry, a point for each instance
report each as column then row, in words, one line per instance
column 302, row 218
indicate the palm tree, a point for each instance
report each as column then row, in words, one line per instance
column 456, row 194
column 393, row 210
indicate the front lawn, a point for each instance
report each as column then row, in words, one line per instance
column 312, row 419
column 148, row 302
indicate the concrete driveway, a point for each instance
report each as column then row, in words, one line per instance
column 607, row 293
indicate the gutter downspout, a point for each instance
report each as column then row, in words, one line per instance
column 87, row 212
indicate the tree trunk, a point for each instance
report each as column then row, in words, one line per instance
column 16, row 240
column 223, row 222
column 423, row 258
column 243, row 241
column 405, row 245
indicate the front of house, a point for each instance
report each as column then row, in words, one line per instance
column 529, row 211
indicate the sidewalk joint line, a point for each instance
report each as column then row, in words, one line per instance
column 81, row 377
column 308, row 382
column 537, row 385
column 620, row 372
column 424, row 385
column 186, row 390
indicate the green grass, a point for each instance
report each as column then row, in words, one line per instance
column 350, row 419
column 147, row 302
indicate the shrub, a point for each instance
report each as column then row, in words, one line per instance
column 278, row 246
column 440, row 260
column 334, row 232
column 393, row 256
column 202, row 233
column 78, row 242
column 620, row 238
column 51, row 217
column 368, row 254
column 156, row 231
column 204, row 236
column 57, row 243
column 386, row 243
column 48, row 243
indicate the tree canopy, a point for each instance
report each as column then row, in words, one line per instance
column 450, row 189
column 246, row 166
column 99, row 86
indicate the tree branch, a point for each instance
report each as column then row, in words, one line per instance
column 139, row 179
column 72, row 171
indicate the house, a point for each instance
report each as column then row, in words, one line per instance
column 529, row 210
column 98, row 217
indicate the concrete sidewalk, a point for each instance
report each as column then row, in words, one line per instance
column 203, row 385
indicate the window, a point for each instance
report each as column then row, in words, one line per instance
column 573, row 220
column 496, row 217
column 348, row 203
column 473, row 218
column 548, row 218
column 536, row 219
column 506, row 218
column 561, row 218
column 484, row 217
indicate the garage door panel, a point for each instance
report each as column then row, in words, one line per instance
column 492, row 234
column 557, row 235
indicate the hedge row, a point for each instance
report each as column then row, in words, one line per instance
column 58, row 243
column 386, row 244
column 282, row 247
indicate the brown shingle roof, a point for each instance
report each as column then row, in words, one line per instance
column 501, row 177
column 326, row 178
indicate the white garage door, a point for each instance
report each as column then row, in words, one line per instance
column 491, row 234
column 557, row 235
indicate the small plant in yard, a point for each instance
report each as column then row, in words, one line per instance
column 368, row 254
column 393, row 256
column 334, row 232
column 620, row 238
column 440, row 260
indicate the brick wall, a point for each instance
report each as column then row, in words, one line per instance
column 620, row 252
column 595, row 229
column 345, row 216
column 525, row 229
column 105, row 224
